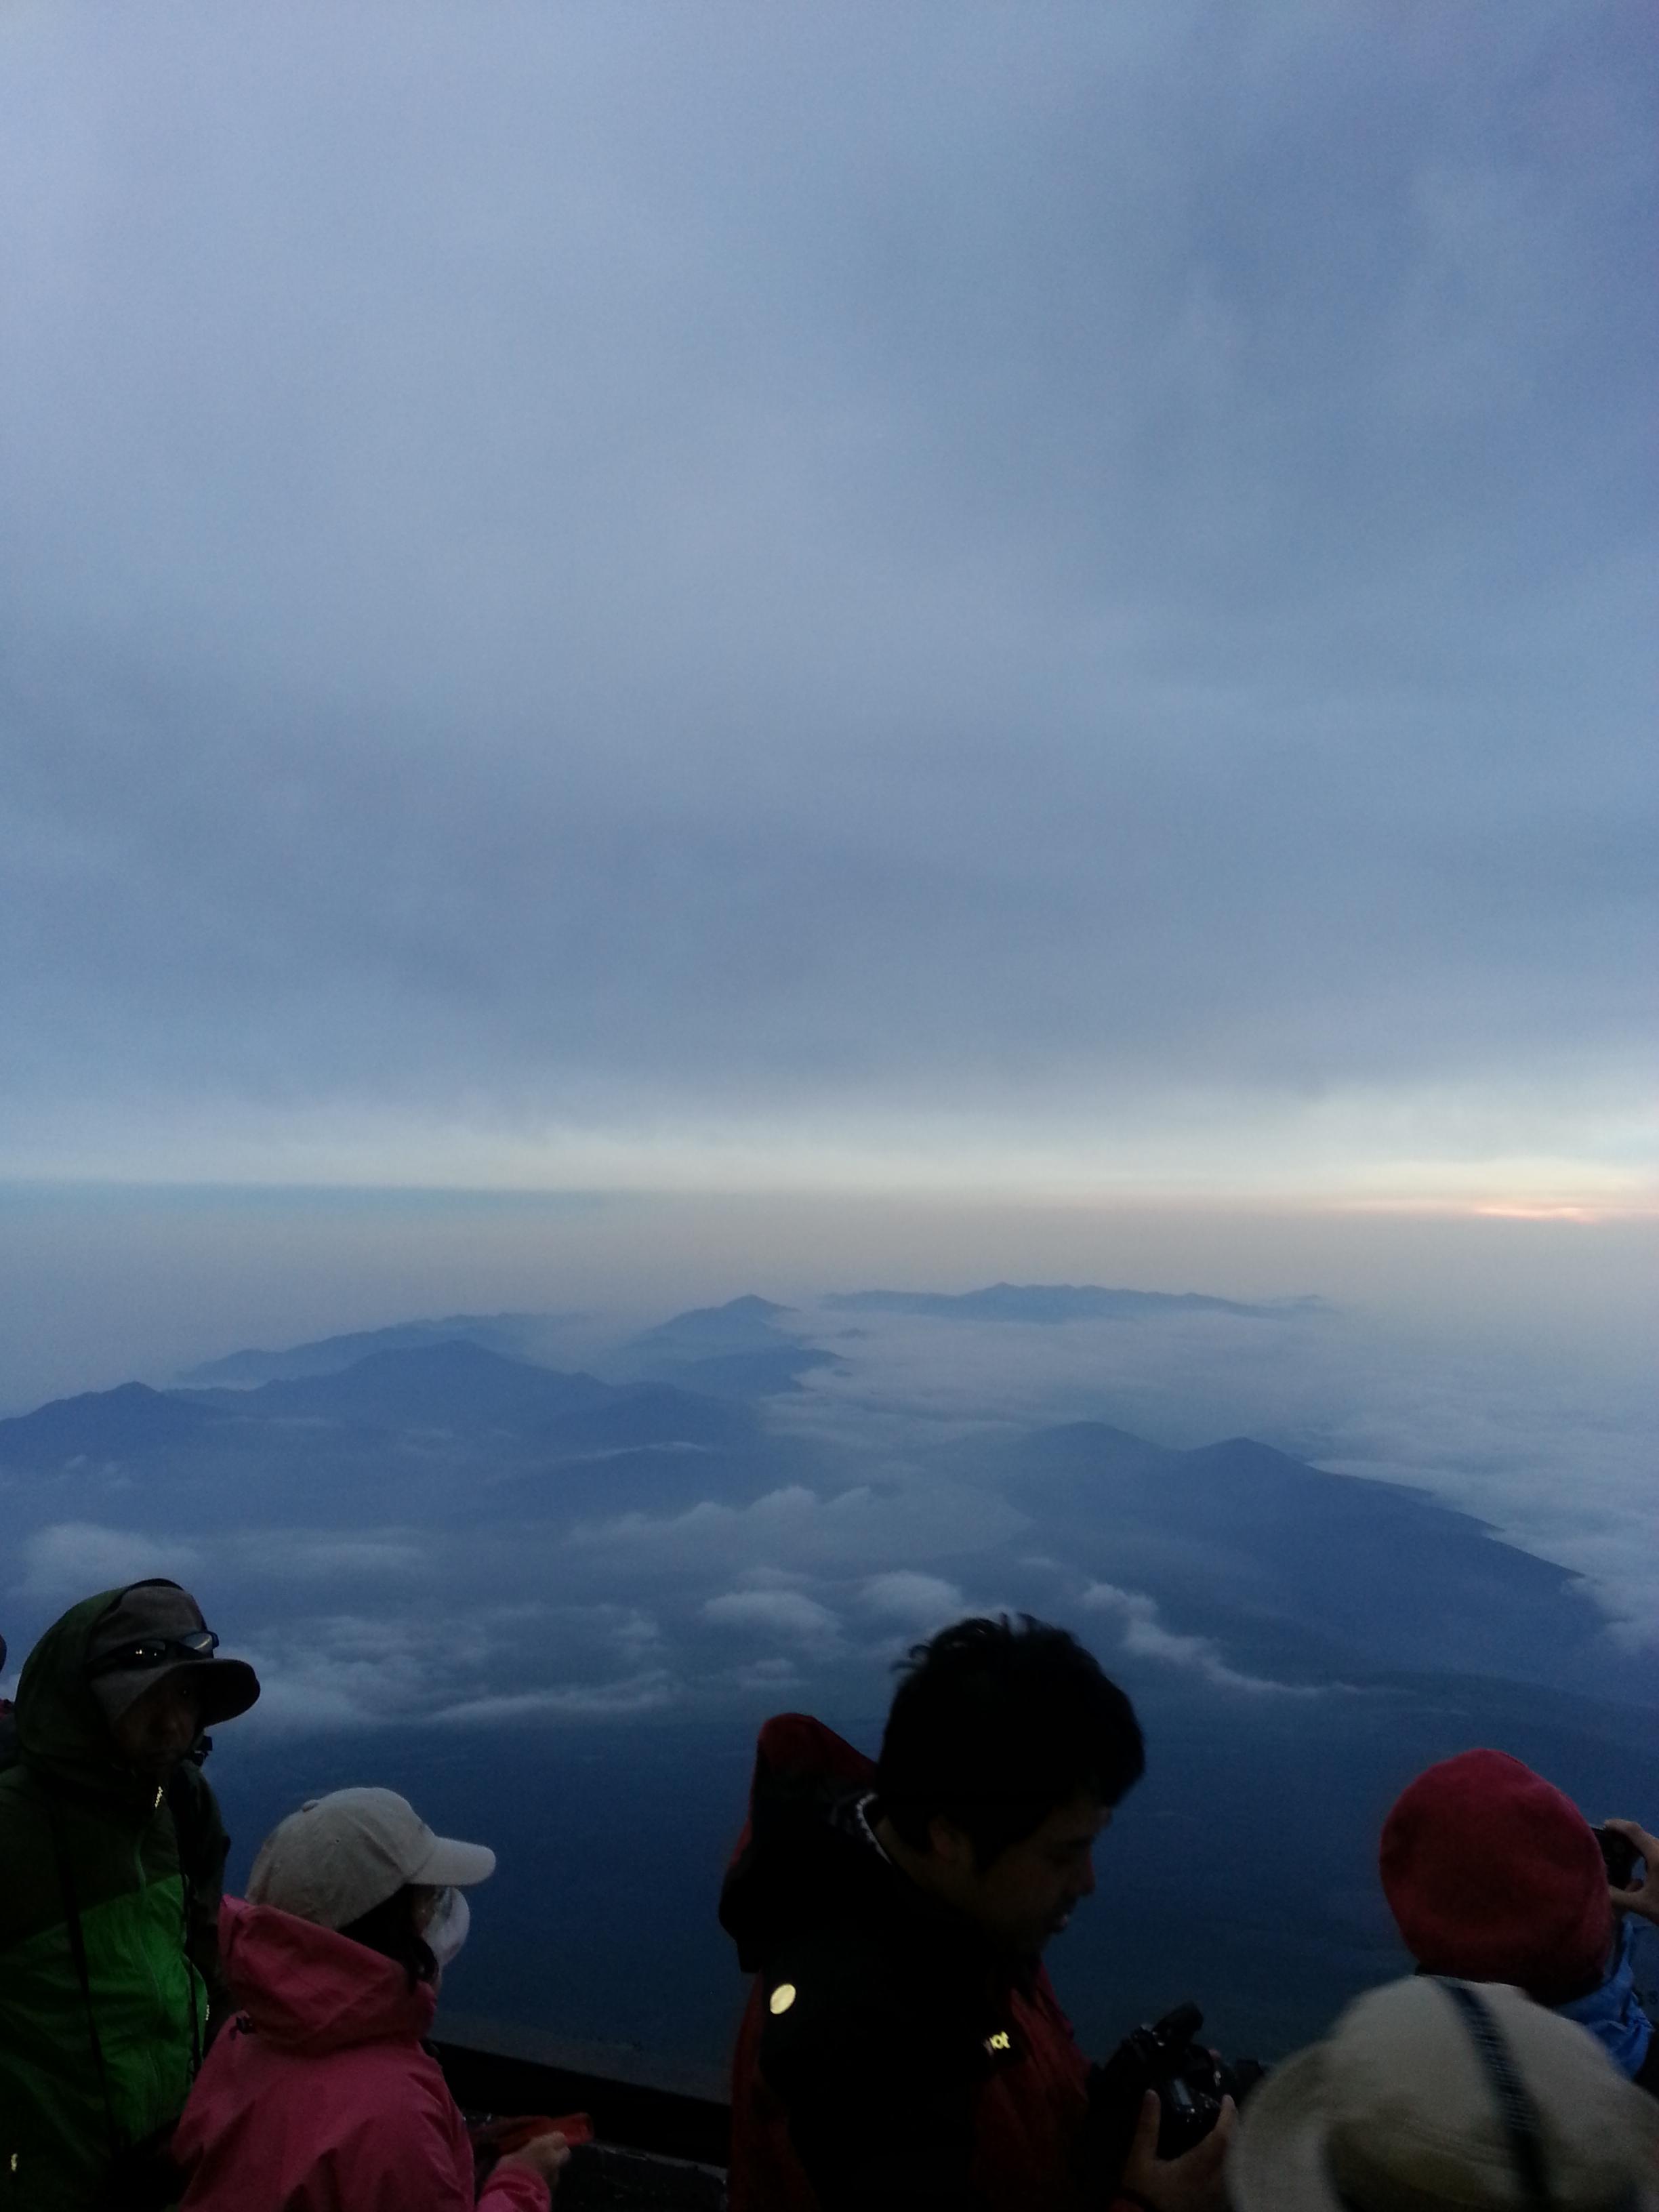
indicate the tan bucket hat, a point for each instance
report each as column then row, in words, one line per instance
column 340, row 1856
column 1429, row 2093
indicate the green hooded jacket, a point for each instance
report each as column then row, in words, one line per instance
column 146, row 1866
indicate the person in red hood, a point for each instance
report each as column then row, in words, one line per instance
column 318, row 2097
column 1492, row 1875
column 902, row 2046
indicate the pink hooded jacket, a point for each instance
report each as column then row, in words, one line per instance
column 319, row 2098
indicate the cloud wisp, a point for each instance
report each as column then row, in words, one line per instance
column 788, row 1614
column 1144, row 1635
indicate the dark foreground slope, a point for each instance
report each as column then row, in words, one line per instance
column 1241, row 1872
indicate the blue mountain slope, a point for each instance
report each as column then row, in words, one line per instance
column 454, row 1385
column 653, row 1414
column 754, row 1374
column 1290, row 1572
column 512, row 1334
column 1294, row 1571
column 740, row 1325
column 129, row 1422
column 733, row 1351
column 1047, row 1303
column 441, row 1433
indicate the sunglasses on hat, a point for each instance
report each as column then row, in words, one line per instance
column 155, row 1651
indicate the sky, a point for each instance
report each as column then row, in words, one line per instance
column 654, row 650
column 1052, row 602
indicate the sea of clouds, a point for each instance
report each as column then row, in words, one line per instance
column 867, row 1540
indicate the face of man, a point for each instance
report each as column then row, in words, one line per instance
column 158, row 1728
column 1029, row 1892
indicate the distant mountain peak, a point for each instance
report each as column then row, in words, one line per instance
column 741, row 1324
column 130, row 1418
column 514, row 1336
column 1048, row 1303
column 750, row 1307
column 455, row 1352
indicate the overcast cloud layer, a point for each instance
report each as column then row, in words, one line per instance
column 655, row 593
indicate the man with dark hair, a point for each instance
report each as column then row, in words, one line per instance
column 902, row 2046
column 112, row 1854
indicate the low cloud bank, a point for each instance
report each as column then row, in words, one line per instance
column 72, row 1558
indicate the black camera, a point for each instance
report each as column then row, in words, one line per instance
column 1190, row 2082
column 1619, row 1855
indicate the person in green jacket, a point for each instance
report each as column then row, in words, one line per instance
column 112, row 1859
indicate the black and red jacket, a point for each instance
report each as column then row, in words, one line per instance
column 889, row 2057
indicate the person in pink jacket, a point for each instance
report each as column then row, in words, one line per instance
column 318, row 2097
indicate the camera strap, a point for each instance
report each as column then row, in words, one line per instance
column 1516, row 2109
column 78, row 1954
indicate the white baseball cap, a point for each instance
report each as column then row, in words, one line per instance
column 340, row 1856
column 1420, row 2097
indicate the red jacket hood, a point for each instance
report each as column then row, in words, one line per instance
column 307, row 1989
column 796, row 1855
